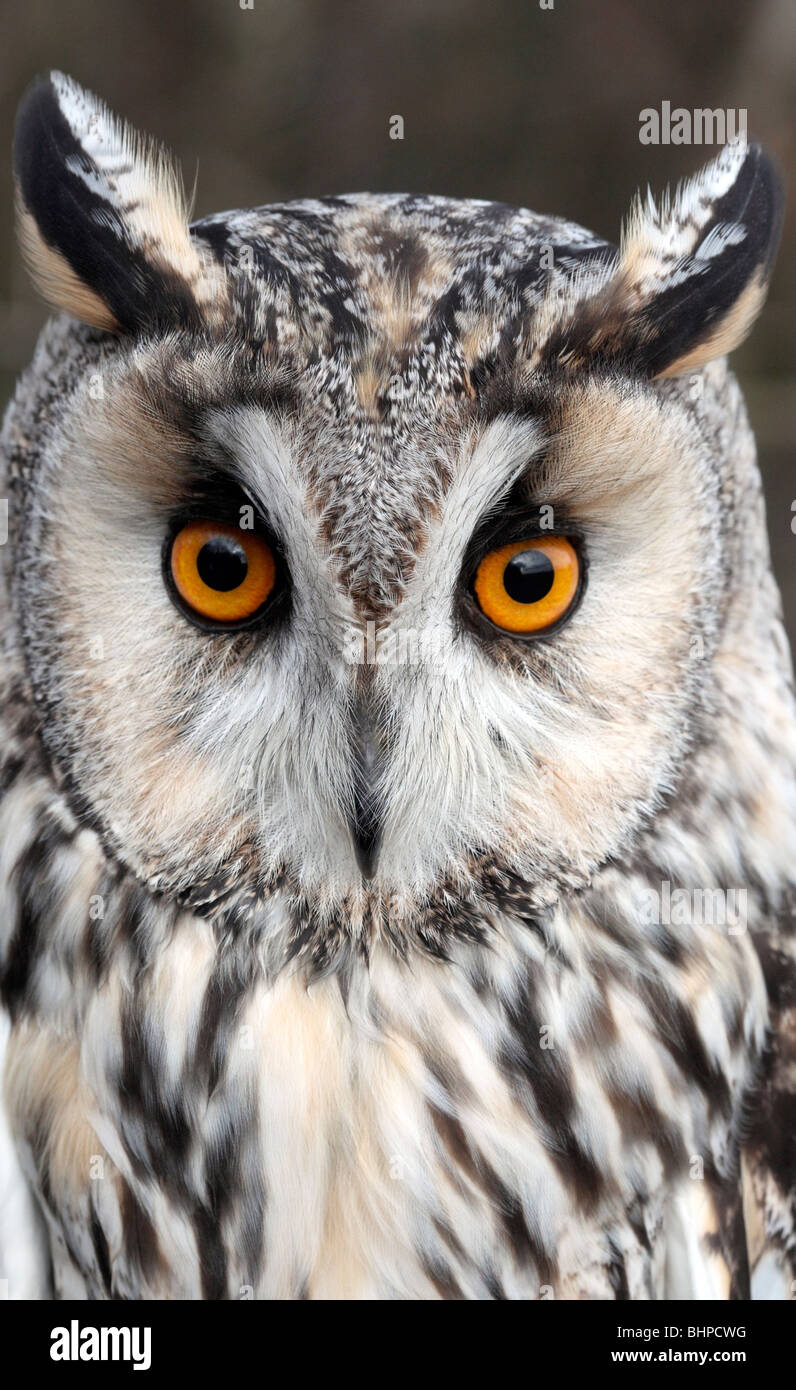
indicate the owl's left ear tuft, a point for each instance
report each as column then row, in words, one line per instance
column 101, row 216
column 691, row 274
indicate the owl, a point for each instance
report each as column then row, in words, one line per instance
column 398, row 756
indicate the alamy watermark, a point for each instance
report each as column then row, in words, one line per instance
column 726, row 908
column 373, row 646
column 702, row 126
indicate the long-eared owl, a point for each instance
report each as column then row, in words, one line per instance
column 398, row 757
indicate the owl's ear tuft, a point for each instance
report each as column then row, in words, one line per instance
column 101, row 216
column 692, row 272
column 700, row 265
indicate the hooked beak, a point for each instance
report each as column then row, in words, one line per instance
column 367, row 750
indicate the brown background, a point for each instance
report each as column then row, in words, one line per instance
column 501, row 100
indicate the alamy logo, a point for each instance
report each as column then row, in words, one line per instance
column 373, row 646
column 76, row 1343
column 702, row 126
column 726, row 908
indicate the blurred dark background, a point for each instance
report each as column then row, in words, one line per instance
column 509, row 100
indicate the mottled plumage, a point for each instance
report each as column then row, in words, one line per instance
column 484, row 1067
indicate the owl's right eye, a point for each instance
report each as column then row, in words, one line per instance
column 220, row 575
column 528, row 587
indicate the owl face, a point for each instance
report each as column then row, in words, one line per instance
column 376, row 544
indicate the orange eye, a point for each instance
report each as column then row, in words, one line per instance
column 220, row 572
column 527, row 586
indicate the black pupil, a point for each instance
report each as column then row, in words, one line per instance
column 222, row 563
column 528, row 576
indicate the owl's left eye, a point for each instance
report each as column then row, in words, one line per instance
column 529, row 586
column 220, row 574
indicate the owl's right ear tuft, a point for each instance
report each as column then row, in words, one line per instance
column 691, row 274
column 101, row 216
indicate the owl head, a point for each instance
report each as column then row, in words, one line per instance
column 373, row 548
